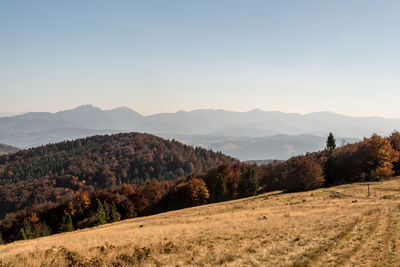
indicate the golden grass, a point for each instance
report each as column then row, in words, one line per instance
column 338, row 226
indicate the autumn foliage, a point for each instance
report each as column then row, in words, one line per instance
column 73, row 200
column 302, row 173
column 371, row 159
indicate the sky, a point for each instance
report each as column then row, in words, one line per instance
column 164, row 56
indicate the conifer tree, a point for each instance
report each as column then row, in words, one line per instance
column 220, row 188
column 45, row 230
column 27, row 230
column 22, row 234
column 107, row 211
column 67, row 225
column 100, row 214
column 113, row 213
column 248, row 183
column 330, row 163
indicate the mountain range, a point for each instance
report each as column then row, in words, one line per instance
column 254, row 134
column 6, row 149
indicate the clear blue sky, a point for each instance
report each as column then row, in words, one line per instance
column 163, row 56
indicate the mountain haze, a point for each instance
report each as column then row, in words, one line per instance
column 216, row 129
column 6, row 149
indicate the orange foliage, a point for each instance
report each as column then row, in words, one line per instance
column 379, row 157
column 194, row 192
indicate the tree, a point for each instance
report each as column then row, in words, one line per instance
column 394, row 139
column 378, row 157
column 44, row 230
column 107, row 211
column 302, row 173
column 331, row 142
column 27, row 229
column 194, row 192
column 113, row 213
column 220, row 188
column 22, row 234
column 100, row 217
column 330, row 163
column 66, row 225
column 248, row 183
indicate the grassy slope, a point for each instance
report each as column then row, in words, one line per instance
column 332, row 226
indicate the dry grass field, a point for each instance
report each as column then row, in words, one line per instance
column 338, row 226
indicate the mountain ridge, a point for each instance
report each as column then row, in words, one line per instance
column 37, row 128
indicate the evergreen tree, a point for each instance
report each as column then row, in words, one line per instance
column 22, row 234
column 67, row 225
column 330, row 163
column 113, row 213
column 100, row 217
column 27, row 230
column 331, row 142
column 107, row 211
column 45, row 230
column 248, row 183
column 220, row 188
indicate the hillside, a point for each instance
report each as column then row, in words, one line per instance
column 53, row 172
column 6, row 149
column 124, row 157
column 59, row 203
column 337, row 226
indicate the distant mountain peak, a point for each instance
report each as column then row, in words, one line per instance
column 86, row 108
column 122, row 109
column 256, row 110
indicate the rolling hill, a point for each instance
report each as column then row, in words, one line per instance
column 336, row 226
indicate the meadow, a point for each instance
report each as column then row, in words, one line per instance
column 337, row 226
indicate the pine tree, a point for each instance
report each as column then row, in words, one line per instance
column 22, row 234
column 331, row 142
column 27, row 230
column 45, row 230
column 248, row 183
column 220, row 188
column 100, row 214
column 107, row 211
column 67, row 225
column 113, row 213
column 330, row 163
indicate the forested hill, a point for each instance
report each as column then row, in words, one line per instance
column 59, row 203
column 107, row 160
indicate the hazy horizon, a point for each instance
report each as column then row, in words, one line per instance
column 8, row 114
column 157, row 56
